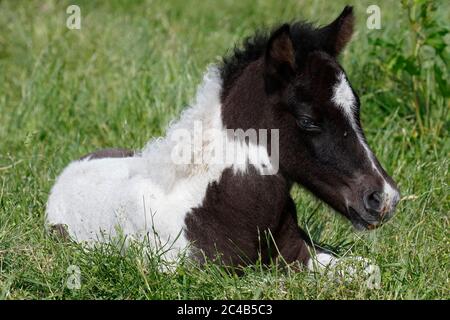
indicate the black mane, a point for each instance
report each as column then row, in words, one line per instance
column 252, row 48
column 306, row 38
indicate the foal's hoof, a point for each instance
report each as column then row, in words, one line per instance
column 347, row 269
column 351, row 268
column 321, row 262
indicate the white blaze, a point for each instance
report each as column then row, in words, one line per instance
column 344, row 98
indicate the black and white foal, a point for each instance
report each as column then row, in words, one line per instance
column 287, row 85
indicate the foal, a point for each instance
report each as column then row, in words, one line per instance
column 287, row 84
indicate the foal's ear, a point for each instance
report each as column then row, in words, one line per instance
column 338, row 33
column 279, row 60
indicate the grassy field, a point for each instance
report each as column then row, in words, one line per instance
column 132, row 68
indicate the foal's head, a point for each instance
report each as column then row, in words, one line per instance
column 293, row 82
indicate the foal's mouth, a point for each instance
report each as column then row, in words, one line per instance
column 360, row 223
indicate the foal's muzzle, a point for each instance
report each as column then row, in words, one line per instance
column 377, row 208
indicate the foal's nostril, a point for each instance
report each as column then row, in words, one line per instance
column 373, row 202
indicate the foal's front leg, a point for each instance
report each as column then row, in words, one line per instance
column 294, row 244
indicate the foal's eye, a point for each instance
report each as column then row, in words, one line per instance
column 308, row 124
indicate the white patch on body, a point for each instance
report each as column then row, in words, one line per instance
column 147, row 194
column 344, row 98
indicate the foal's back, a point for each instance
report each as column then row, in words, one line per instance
column 108, row 193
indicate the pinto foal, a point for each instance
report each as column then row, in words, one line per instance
column 287, row 82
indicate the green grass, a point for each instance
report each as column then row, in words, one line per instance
column 131, row 69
